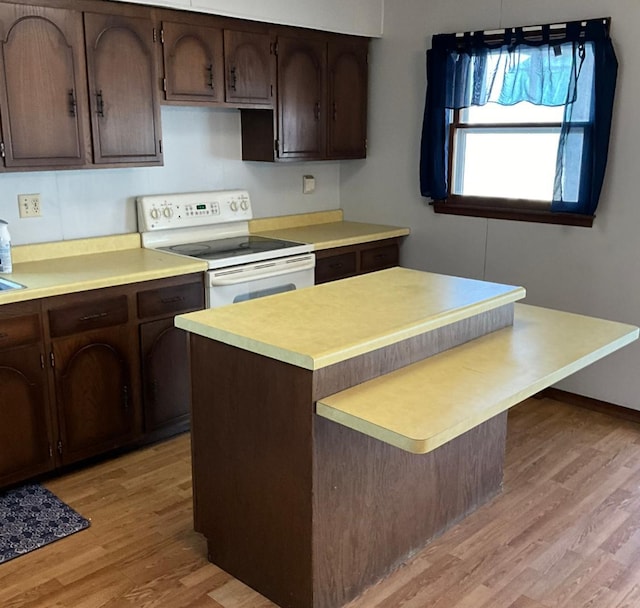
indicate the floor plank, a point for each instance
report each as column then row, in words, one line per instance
column 564, row 533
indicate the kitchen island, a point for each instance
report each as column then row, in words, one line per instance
column 338, row 428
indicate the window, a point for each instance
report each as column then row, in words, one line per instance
column 513, row 126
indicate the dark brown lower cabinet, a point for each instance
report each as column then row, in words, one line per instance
column 86, row 373
column 95, row 395
column 342, row 262
column 25, row 422
column 165, row 376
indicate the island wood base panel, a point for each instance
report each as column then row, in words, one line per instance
column 306, row 511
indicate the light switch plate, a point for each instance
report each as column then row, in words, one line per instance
column 308, row 184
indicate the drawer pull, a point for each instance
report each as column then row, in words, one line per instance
column 3, row 335
column 336, row 265
column 380, row 256
column 172, row 300
column 98, row 315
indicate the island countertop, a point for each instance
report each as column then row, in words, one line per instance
column 325, row 324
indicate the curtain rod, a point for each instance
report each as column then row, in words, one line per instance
column 534, row 29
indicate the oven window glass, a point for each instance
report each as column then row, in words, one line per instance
column 252, row 295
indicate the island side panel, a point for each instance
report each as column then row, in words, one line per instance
column 340, row 376
column 252, row 466
column 375, row 505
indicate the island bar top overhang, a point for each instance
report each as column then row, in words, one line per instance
column 326, row 324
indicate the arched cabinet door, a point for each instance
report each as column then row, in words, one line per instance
column 250, row 68
column 25, row 425
column 94, row 392
column 301, row 98
column 347, row 87
column 192, row 63
column 43, row 101
column 125, row 115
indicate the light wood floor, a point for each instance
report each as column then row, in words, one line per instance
column 564, row 533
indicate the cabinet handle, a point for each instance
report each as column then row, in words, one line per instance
column 172, row 300
column 210, row 70
column 336, row 265
column 3, row 335
column 98, row 315
column 234, row 78
column 125, row 397
column 380, row 256
column 72, row 103
column 99, row 104
column 335, row 111
column 316, row 110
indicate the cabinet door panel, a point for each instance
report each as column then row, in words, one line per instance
column 94, row 392
column 25, row 428
column 192, row 62
column 250, row 67
column 347, row 121
column 124, row 108
column 43, row 101
column 165, row 372
column 301, row 88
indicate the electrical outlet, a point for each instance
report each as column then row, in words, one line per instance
column 29, row 205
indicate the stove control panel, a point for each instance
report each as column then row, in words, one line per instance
column 190, row 209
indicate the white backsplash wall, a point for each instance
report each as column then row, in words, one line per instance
column 202, row 151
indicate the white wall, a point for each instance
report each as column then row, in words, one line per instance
column 360, row 17
column 596, row 270
column 201, row 152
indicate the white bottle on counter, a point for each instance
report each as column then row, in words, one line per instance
column 5, row 248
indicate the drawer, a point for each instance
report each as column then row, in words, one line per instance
column 378, row 258
column 88, row 315
column 336, row 267
column 171, row 300
column 18, row 331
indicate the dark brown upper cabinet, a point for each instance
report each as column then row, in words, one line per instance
column 125, row 115
column 43, row 99
column 321, row 110
column 347, row 105
column 301, row 98
column 249, row 68
column 193, row 63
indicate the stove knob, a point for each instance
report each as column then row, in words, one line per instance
column 154, row 213
column 168, row 212
column 234, row 206
column 244, row 205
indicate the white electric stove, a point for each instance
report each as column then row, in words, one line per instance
column 214, row 227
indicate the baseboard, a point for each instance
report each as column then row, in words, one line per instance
column 589, row 403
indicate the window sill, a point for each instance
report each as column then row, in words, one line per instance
column 521, row 214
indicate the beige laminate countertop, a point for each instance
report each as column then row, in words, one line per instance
column 323, row 229
column 67, row 267
column 325, row 324
column 423, row 406
column 336, row 234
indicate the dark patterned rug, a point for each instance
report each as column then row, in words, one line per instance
column 30, row 517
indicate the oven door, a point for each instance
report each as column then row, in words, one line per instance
column 250, row 281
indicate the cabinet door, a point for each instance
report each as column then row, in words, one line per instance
column 301, row 98
column 192, row 62
column 250, row 68
column 25, row 427
column 43, row 99
column 166, row 387
column 347, row 85
column 95, row 396
column 125, row 120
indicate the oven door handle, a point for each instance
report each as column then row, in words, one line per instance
column 253, row 274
